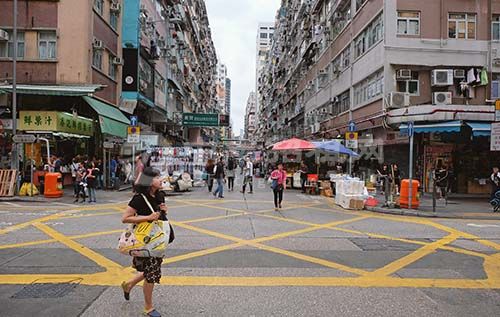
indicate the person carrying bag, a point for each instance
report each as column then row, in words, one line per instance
column 147, row 237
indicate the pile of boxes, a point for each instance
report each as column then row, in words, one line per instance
column 326, row 189
column 350, row 194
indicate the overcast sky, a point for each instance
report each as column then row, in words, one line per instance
column 234, row 31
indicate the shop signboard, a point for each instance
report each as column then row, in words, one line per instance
column 497, row 110
column 495, row 136
column 351, row 140
column 200, row 119
column 55, row 122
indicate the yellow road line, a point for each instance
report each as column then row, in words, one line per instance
column 413, row 257
column 88, row 253
column 116, row 277
column 196, row 254
column 292, row 254
column 26, row 244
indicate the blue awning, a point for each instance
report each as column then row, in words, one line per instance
column 447, row 126
column 480, row 128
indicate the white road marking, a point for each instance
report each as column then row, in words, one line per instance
column 482, row 226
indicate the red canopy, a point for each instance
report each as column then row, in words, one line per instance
column 294, row 144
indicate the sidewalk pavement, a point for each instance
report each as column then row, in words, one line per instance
column 103, row 196
column 457, row 206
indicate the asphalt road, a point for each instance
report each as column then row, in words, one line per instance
column 238, row 257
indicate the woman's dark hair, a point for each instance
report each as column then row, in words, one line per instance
column 143, row 183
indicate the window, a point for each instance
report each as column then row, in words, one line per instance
column 408, row 23
column 113, row 19
column 111, row 66
column 99, row 6
column 370, row 36
column 369, row 88
column 7, row 48
column 47, row 44
column 495, row 32
column 461, row 26
column 495, row 86
column 97, row 58
column 410, row 85
column 263, row 35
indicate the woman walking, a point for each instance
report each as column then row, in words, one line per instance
column 209, row 169
column 219, row 176
column 278, row 177
column 149, row 268
column 90, row 176
column 80, row 181
column 230, row 173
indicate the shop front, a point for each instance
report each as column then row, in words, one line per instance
column 67, row 135
column 462, row 148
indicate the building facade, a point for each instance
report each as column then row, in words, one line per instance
column 250, row 118
column 376, row 65
column 68, row 91
column 171, row 67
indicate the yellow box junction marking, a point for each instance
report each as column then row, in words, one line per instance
column 378, row 278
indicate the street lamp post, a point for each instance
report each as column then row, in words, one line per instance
column 15, row 157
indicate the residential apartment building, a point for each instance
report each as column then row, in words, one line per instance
column 170, row 68
column 250, row 117
column 68, row 73
column 264, row 38
column 376, row 65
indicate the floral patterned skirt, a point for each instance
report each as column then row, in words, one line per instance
column 151, row 267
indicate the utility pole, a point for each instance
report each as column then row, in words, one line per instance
column 15, row 157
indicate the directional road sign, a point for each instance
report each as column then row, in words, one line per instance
column 24, row 138
column 352, row 126
column 133, row 121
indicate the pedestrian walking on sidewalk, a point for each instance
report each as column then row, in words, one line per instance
column 219, row 176
column 278, row 185
column 149, row 268
column 248, row 175
column 74, row 169
column 303, row 176
column 209, row 169
column 495, row 182
column 230, row 173
column 90, row 176
column 80, row 174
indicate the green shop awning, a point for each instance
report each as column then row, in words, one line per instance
column 53, row 90
column 111, row 119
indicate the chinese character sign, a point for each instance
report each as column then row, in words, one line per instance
column 55, row 122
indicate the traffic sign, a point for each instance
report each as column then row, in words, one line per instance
column 352, row 126
column 133, row 121
column 24, row 138
column 411, row 129
column 134, row 134
column 351, row 140
column 200, row 119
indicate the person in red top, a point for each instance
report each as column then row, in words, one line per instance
column 278, row 185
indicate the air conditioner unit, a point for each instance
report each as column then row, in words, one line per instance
column 459, row 73
column 441, row 98
column 323, row 72
column 442, row 77
column 117, row 61
column 115, row 7
column 399, row 99
column 98, row 44
column 4, row 36
column 496, row 61
column 403, row 74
